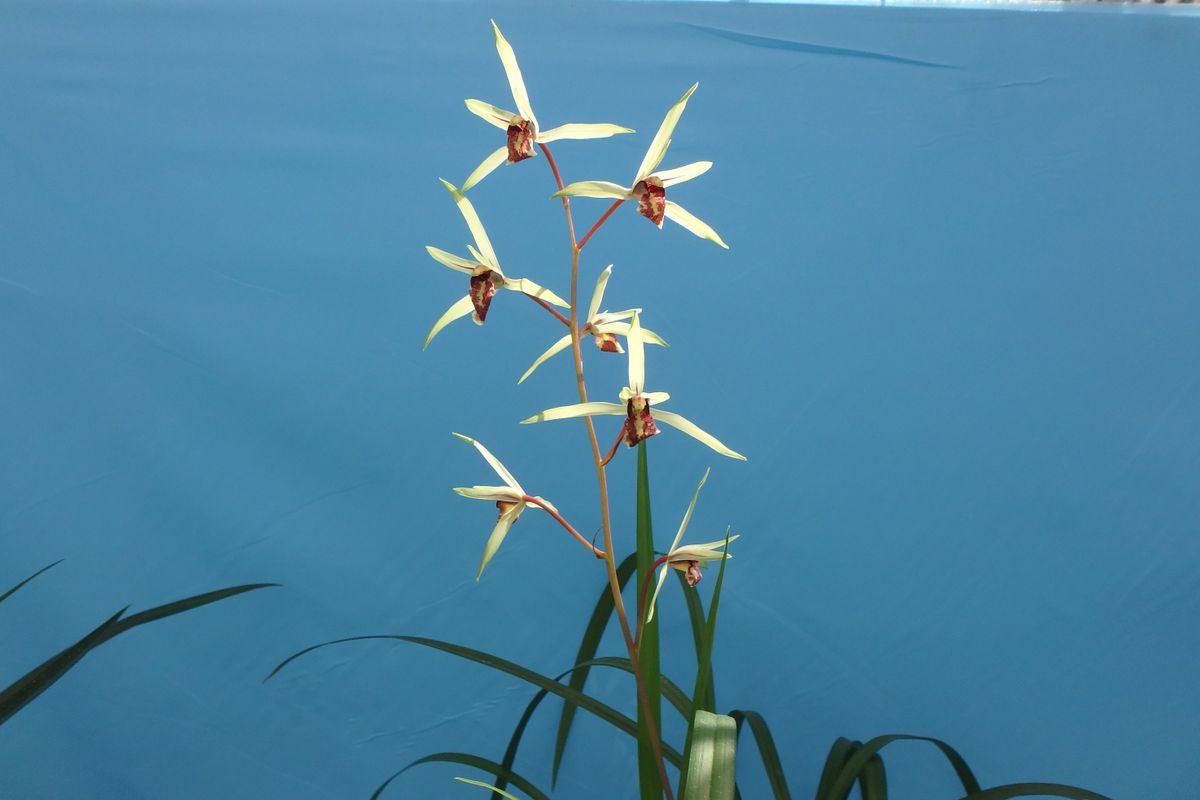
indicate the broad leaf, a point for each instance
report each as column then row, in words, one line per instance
column 710, row 762
column 648, row 778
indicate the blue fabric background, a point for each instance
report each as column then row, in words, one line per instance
column 956, row 334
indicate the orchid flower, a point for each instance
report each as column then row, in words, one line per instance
column 635, row 404
column 603, row 326
column 485, row 273
column 509, row 499
column 689, row 558
column 522, row 126
column 649, row 185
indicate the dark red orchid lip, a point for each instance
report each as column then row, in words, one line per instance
column 520, row 141
column 483, row 289
column 639, row 424
column 652, row 200
column 607, row 342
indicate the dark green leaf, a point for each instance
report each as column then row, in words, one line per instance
column 855, row 763
column 696, row 617
column 587, row 703
column 872, row 781
column 14, row 589
column 484, row 764
column 839, row 754
column 710, row 758
column 587, row 650
column 1034, row 790
column 41, row 677
column 704, row 670
column 648, row 778
column 766, row 750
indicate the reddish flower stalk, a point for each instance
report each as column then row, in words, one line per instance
column 616, row 445
column 597, row 552
column 551, row 309
column 603, row 218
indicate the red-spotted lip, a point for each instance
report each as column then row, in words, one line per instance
column 639, row 422
column 520, row 141
column 652, row 200
column 483, row 289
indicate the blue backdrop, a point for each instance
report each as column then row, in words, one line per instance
column 956, row 334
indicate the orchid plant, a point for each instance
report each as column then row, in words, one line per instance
column 705, row 766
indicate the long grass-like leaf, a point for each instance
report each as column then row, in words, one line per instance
column 485, row 764
column 671, row 691
column 711, row 754
column 495, row 789
column 587, row 651
column 704, row 669
column 42, row 677
column 839, row 754
column 14, row 589
column 872, row 780
column 647, row 651
column 840, row 789
column 1035, row 790
column 586, row 702
column 695, row 609
column 766, row 750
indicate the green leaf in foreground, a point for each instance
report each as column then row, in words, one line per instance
column 1035, row 790
column 485, row 764
column 43, row 676
column 766, row 750
column 696, row 616
column 587, row 651
column 648, row 661
column 16, row 588
column 710, row 757
column 857, row 760
column 483, row 785
column 586, row 702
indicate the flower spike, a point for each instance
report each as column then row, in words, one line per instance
column 649, row 186
column 484, row 270
column 640, row 423
column 604, row 328
column 522, row 126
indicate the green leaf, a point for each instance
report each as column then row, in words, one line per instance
column 648, row 661
column 710, row 762
column 14, row 589
column 587, row 651
column 671, row 691
column 704, row 669
column 872, row 780
column 587, row 703
column 696, row 616
column 485, row 764
column 495, row 789
column 43, row 676
column 839, row 754
column 1034, row 790
column 855, row 763
column 766, row 750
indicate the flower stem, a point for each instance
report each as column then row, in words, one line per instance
column 557, row 315
column 645, row 587
column 613, row 451
column 599, row 222
column 537, row 501
column 610, row 562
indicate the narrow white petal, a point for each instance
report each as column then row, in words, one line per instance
column 486, row 167
column 573, row 130
column 554, row 349
column 595, row 189
column 450, row 260
column 460, row 309
column 676, row 212
column 662, row 576
column 676, row 421
column 498, row 533
column 637, row 357
column 576, row 410
column 670, row 177
column 493, row 115
column 515, row 82
column 609, row 317
column 493, row 493
column 656, row 398
column 526, row 286
column 504, row 474
column 658, row 147
column 687, row 516
column 477, row 231
column 598, row 294
column 709, row 551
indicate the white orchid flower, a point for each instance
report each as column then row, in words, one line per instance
column 510, row 499
column 522, row 126
column 689, row 558
column 603, row 326
column 485, row 272
column 650, row 184
column 636, row 402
